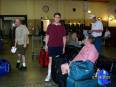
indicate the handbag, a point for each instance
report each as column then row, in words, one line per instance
column 81, row 70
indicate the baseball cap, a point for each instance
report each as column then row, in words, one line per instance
column 91, row 16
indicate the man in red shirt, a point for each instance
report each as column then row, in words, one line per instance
column 55, row 41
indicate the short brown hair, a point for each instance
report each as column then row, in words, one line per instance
column 57, row 14
column 19, row 19
column 91, row 38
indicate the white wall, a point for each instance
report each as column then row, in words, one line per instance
column 13, row 7
column 99, row 9
column 112, row 13
column 33, row 8
column 0, row 6
column 52, row 4
column 66, row 7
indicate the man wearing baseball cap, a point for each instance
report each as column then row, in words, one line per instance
column 96, row 31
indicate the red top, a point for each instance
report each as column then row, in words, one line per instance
column 56, row 34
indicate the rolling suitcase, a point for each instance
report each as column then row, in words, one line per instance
column 56, row 73
column 4, row 67
column 83, row 83
column 43, row 58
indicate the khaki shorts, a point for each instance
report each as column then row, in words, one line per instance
column 21, row 50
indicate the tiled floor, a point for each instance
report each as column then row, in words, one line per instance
column 33, row 77
column 35, row 74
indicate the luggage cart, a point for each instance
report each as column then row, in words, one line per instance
column 36, row 45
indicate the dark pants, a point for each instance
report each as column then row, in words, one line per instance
column 107, row 42
column 1, row 45
column 98, row 43
column 54, row 51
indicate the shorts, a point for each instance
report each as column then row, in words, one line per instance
column 21, row 50
column 54, row 51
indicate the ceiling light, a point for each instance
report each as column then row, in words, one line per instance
column 89, row 11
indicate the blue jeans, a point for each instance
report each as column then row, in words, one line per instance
column 98, row 43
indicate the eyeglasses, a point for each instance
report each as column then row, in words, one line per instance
column 57, row 17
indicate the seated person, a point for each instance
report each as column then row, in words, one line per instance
column 107, row 34
column 107, row 38
column 1, row 36
column 1, row 42
column 88, row 52
column 73, row 41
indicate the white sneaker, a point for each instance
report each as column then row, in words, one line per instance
column 48, row 78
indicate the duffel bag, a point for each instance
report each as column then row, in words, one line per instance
column 81, row 70
column 4, row 67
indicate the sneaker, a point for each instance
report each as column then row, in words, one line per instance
column 48, row 78
column 18, row 65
